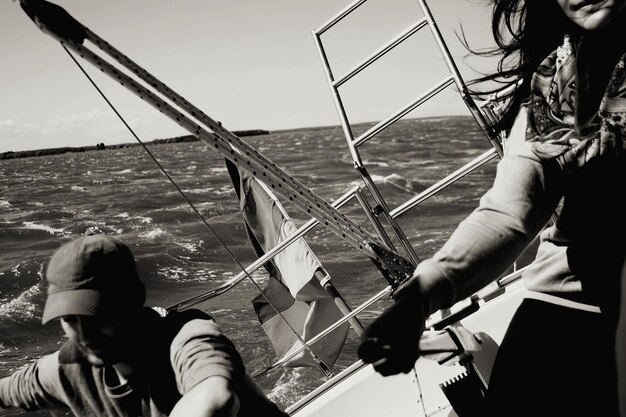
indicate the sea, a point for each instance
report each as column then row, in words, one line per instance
column 46, row 201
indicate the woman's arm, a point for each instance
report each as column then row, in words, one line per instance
column 525, row 193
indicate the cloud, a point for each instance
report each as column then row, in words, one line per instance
column 9, row 126
column 86, row 128
column 66, row 131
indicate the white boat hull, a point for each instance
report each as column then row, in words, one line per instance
column 360, row 391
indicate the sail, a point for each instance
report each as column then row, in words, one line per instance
column 292, row 287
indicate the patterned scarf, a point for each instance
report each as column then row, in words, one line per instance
column 553, row 131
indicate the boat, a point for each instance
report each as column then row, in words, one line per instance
column 460, row 343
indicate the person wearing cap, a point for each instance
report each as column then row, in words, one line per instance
column 124, row 359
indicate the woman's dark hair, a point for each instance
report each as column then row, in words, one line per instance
column 525, row 32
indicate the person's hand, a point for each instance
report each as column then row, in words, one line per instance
column 214, row 396
column 391, row 341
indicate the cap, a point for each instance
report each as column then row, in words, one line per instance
column 90, row 275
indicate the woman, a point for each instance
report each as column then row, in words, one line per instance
column 565, row 154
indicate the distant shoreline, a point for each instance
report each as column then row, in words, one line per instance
column 185, row 138
column 102, row 146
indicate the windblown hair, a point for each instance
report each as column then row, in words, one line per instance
column 525, row 32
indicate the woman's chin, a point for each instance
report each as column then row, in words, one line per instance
column 592, row 17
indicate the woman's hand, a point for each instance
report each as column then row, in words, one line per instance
column 390, row 342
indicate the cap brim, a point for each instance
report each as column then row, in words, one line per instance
column 81, row 302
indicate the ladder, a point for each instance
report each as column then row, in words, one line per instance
column 380, row 208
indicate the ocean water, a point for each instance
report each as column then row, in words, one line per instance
column 46, row 201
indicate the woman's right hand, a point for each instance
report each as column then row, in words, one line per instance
column 390, row 342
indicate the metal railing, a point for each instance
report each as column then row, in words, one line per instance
column 381, row 208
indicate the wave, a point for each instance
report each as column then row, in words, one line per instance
column 192, row 247
column 122, row 172
column 288, row 386
column 102, row 229
column 181, row 275
column 151, row 234
column 402, row 183
column 55, row 231
column 23, row 307
column 205, row 190
column 382, row 164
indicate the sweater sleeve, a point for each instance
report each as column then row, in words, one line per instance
column 521, row 200
column 199, row 351
column 35, row 386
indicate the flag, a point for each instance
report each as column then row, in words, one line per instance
column 292, row 287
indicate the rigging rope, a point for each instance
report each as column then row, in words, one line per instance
column 318, row 361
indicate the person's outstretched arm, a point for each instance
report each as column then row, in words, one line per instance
column 33, row 386
column 525, row 193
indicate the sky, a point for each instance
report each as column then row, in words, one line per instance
column 251, row 64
